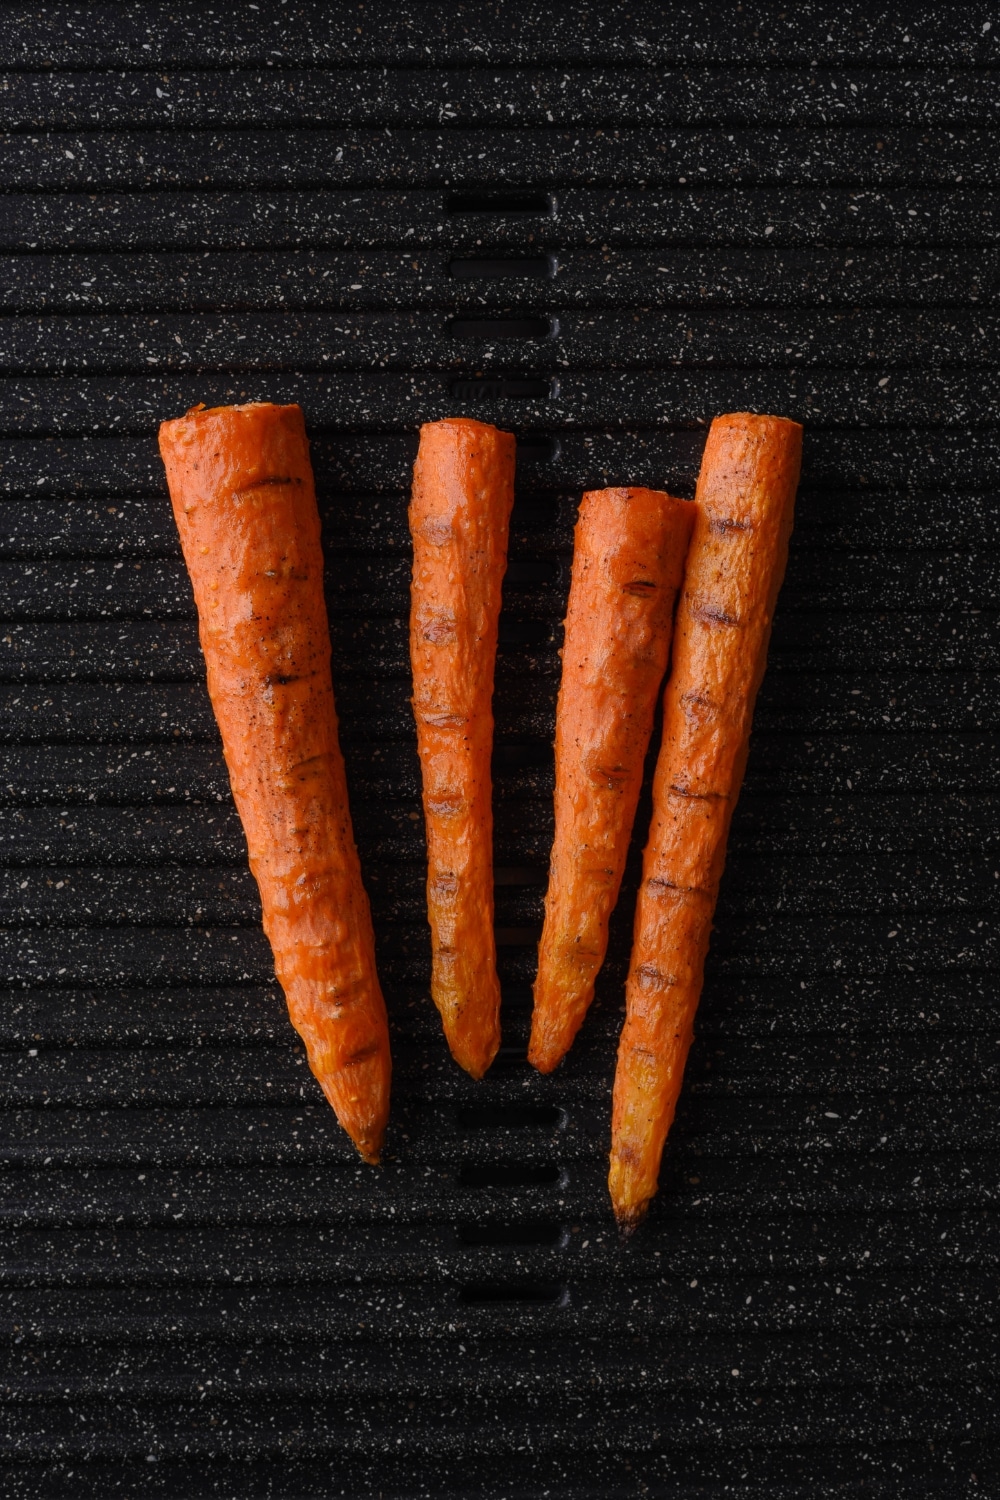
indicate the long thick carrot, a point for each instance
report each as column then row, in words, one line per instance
column 744, row 504
column 242, row 492
column 628, row 558
column 463, row 490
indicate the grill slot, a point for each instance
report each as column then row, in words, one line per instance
column 531, row 753
column 512, row 1175
column 512, row 875
column 538, row 1232
column 524, row 633
column 503, row 328
column 513, row 389
column 511, row 1117
column 518, row 937
column 531, row 268
column 531, row 1293
column 527, row 572
column 506, row 205
column 536, row 450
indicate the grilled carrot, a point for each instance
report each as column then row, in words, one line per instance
column 743, row 519
column 628, row 557
column 242, row 491
column 463, row 490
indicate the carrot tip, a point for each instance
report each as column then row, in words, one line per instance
column 628, row 1220
column 476, row 1070
column 543, row 1061
column 476, row 1064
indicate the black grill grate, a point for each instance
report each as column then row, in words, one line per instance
column 597, row 230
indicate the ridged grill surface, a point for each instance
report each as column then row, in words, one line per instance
column 597, row 229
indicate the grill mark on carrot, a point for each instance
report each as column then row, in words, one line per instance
column 361, row 1055
column 722, row 525
column 685, row 791
column 305, row 767
column 743, row 518
column 627, row 564
column 435, row 530
column 658, row 884
column 616, row 776
column 650, row 977
column 440, row 630
column 709, row 616
column 259, row 484
column 443, row 721
column 242, row 492
column 463, row 490
column 446, row 807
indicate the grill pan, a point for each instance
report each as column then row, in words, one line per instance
column 596, row 231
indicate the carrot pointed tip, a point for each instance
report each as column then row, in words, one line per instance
column 476, row 1061
column 629, row 1219
column 543, row 1060
column 370, row 1148
column 475, row 1067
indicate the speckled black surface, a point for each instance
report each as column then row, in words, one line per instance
column 599, row 227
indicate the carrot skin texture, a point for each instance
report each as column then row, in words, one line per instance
column 463, row 491
column 744, row 506
column 241, row 486
column 628, row 558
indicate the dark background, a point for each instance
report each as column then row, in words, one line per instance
column 673, row 212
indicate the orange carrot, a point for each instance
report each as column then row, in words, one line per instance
column 744, row 505
column 242, row 492
column 463, row 490
column 628, row 557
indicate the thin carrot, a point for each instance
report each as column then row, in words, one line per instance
column 628, row 558
column 463, row 490
column 744, row 505
column 243, row 497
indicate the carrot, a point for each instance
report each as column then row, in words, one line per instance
column 463, row 490
column 744, row 504
column 628, row 557
column 242, row 492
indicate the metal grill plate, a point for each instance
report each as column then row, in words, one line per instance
column 598, row 230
